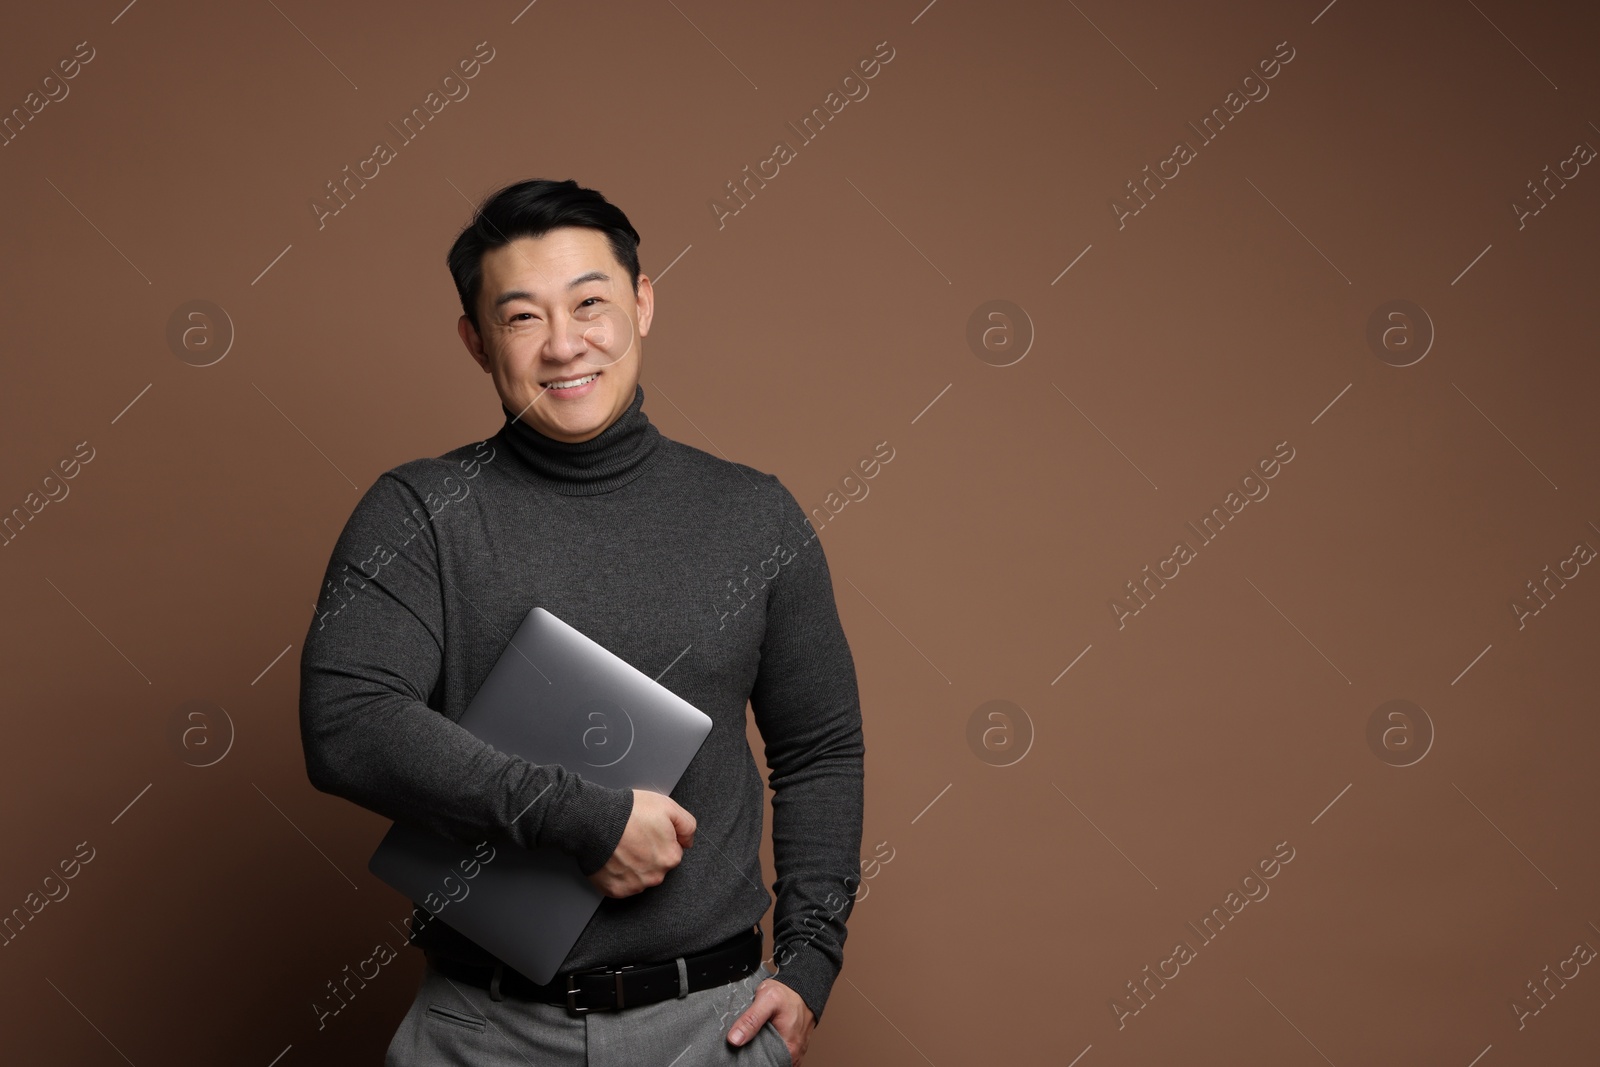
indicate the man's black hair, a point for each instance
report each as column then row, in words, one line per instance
column 532, row 208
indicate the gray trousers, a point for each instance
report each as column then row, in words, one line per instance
column 453, row 1023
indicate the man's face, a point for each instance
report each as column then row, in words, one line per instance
column 555, row 310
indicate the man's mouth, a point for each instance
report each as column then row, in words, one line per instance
column 571, row 383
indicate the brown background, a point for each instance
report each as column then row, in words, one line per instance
column 828, row 315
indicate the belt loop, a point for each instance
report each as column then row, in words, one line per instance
column 494, row 982
column 683, row 978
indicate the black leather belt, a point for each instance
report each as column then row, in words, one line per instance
column 608, row 989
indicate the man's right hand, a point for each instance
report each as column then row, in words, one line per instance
column 658, row 831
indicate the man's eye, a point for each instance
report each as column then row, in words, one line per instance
column 521, row 315
column 588, row 299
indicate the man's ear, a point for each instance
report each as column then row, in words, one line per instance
column 646, row 300
column 474, row 343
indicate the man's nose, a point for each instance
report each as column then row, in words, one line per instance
column 568, row 338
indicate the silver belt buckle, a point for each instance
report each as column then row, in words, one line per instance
column 572, row 996
column 573, row 990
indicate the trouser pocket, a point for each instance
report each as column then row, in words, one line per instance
column 438, row 1013
column 777, row 1045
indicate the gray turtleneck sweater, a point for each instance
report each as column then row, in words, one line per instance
column 701, row 572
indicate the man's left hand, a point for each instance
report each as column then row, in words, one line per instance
column 789, row 1015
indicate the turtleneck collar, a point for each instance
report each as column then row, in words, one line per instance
column 609, row 460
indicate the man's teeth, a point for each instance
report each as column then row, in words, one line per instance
column 574, row 383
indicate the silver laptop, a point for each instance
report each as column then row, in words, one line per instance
column 554, row 696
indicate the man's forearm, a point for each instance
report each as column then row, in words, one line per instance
column 816, row 836
column 405, row 761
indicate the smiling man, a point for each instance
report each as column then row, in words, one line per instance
column 579, row 504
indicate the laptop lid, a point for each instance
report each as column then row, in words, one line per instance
column 553, row 696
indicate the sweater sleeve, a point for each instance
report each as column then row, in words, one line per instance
column 809, row 713
column 370, row 665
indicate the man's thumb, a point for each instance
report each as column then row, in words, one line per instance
column 745, row 1026
column 683, row 824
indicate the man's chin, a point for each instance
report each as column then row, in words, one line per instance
column 578, row 420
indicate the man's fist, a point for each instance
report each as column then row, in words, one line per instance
column 652, row 844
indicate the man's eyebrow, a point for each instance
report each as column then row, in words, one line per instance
column 523, row 294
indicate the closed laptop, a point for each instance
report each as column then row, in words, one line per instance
column 553, row 696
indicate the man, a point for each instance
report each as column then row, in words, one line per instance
column 701, row 572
